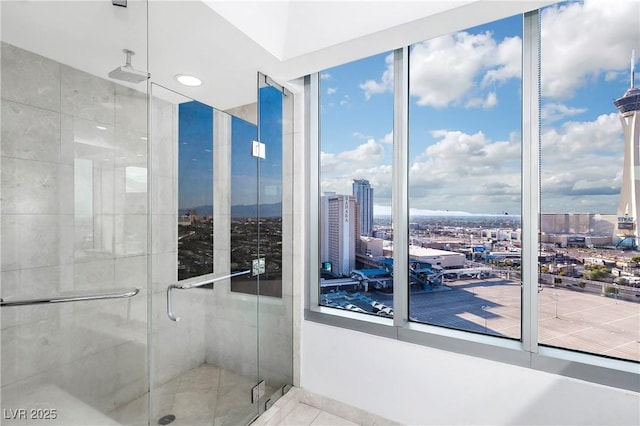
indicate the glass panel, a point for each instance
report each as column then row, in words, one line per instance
column 589, row 276
column 356, row 122
column 204, row 366
column 244, row 205
column 74, row 214
column 464, row 179
column 195, row 189
column 275, row 304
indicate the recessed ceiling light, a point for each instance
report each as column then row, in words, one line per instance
column 101, row 127
column 188, row 80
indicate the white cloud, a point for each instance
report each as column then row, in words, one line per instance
column 582, row 165
column 489, row 102
column 325, row 76
column 581, row 40
column 581, row 169
column 331, row 90
column 388, row 138
column 467, row 172
column 372, row 87
column 363, row 155
column 554, row 111
column 361, row 135
column 444, row 70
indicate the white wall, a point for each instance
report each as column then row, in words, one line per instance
column 413, row 384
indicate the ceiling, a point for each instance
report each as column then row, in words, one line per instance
column 225, row 43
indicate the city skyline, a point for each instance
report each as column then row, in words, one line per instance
column 582, row 73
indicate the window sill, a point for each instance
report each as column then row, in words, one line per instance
column 592, row 368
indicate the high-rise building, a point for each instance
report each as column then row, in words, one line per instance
column 339, row 228
column 629, row 107
column 363, row 192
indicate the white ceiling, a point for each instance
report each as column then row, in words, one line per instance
column 226, row 42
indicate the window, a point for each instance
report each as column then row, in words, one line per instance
column 464, row 179
column 195, row 190
column 356, row 238
column 521, row 235
column 589, row 260
column 256, row 196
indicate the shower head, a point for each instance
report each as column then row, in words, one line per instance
column 127, row 72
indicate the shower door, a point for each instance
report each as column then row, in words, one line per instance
column 275, row 292
column 204, row 241
column 74, row 214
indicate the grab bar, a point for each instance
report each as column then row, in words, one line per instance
column 188, row 285
column 75, row 298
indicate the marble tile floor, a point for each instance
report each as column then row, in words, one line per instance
column 307, row 415
column 204, row 396
column 302, row 408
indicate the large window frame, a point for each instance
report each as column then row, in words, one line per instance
column 526, row 352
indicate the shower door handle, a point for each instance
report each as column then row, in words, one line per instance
column 189, row 284
column 74, row 298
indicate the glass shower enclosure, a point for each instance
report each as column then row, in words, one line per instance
column 145, row 235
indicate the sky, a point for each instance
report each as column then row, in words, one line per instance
column 465, row 109
column 196, row 151
column 195, row 155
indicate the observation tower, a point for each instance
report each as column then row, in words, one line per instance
column 628, row 208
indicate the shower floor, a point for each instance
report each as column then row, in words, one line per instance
column 204, row 396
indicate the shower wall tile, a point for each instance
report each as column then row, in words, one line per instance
column 72, row 223
column 29, row 78
column 164, row 195
column 79, row 337
column 87, row 96
column 276, row 356
column 88, row 380
column 171, row 355
column 29, row 241
column 131, row 272
column 131, row 235
column 29, row 349
column 67, row 139
column 165, row 233
column 94, row 141
column 164, row 131
column 66, row 192
column 131, row 147
column 164, row 145
column 131, row 109
column 94, row 275
column 25, row 284
column 29, row 187
column 164, row 270
column 131, row 363
column 130, row 190
column 30, row 133
column 235, row 347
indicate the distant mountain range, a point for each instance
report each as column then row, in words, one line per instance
column 266, row 210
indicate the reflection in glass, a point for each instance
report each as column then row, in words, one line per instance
column 265, row 217
column 195, row 190
column 464, row 179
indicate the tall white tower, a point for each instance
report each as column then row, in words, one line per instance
column 628, row 208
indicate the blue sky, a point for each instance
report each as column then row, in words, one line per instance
column 195, row 155
column 196, row 147
column 465, row 114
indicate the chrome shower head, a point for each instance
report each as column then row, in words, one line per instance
column 127, row 72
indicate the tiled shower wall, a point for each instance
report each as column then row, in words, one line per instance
column 74, row 221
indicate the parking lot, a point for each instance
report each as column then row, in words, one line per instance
column 568, row 318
